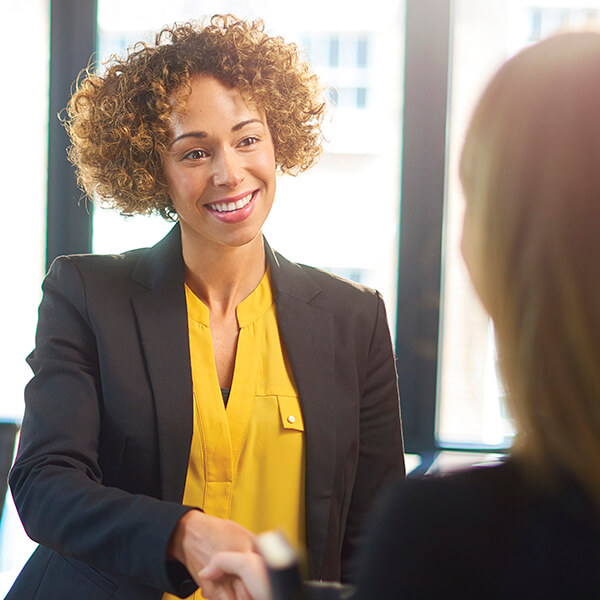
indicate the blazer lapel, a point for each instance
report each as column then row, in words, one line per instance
column 162, row 319
column 307, row 334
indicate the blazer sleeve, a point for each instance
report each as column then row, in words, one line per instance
column 381, row 449
column 56, row 480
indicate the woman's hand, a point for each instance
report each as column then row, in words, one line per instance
column 244, row 571
column 198, row 537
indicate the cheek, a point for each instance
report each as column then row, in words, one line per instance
column 471, row 249
column 183, row 184
column 467, row 247
column 168, row 171
column 468, row 242
column 267, row 166
column 464, row 243
column 268, row 157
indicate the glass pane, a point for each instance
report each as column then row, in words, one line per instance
column 23, row 162
column 342, row 215
column 24, row 103
column 470, row 405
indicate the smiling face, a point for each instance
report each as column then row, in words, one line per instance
column 220, row 168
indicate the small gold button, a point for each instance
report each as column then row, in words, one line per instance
column 291, row 419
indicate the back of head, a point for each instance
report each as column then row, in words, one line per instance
column 531, row 174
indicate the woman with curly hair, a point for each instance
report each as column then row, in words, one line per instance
column 192, row 394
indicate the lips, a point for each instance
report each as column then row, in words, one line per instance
column 231, row 205
column 233, row 210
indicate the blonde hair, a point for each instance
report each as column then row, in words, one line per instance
column 119, row 121
column 530, row 169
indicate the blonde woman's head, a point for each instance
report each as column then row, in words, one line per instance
column 530, row 170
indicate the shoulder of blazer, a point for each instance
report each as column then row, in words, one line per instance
column 318, row 287
column 163, row 263
column 146, row 266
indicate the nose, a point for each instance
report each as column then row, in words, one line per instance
column 227, row 170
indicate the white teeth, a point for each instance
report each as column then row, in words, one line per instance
column 243, row 201
column 231, row 206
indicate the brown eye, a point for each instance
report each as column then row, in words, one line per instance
column 249, row 141
column 196, row 155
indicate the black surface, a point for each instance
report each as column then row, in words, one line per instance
column 72, row 43
column 428, row 26
column 8, row 432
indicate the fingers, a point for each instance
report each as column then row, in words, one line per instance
column 246, row 570
column 242, row 564
column 217, row 582
column 198, row 536
column 241, row 593
column 212, row 571
column 221, row 589
column 225, row 588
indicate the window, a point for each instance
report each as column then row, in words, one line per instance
column 334, row 52
column 24, row 104
column 545, row 20
column 24, row 158
column 470, row 408
column 362, row 46
column 346, row 68
column 361, row 97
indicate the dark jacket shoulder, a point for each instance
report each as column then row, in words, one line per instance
column 486, row 532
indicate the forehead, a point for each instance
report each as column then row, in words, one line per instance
column 212, row 102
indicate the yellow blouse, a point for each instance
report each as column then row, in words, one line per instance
column 247, row 460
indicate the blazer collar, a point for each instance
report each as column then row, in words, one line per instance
column 162, row 263
column 288, row 278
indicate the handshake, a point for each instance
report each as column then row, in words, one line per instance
column 271, row 573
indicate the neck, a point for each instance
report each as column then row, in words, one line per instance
column 222, row 276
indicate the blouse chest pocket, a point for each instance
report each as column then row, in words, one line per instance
column 290, row 413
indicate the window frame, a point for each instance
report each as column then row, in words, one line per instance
column 423, row 169
column 72, row 42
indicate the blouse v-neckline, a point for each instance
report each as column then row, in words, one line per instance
column 223, row 441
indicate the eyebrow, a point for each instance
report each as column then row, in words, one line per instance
column 203, row 134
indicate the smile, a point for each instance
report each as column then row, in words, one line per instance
column 224, row 207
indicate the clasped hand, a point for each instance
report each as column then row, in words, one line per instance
column 221, row 557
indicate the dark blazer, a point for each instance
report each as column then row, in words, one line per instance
column 487, row 532
column 101, row 466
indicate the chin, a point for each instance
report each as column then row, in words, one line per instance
column 241, row 239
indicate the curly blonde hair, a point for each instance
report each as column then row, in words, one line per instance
column 119, row 121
